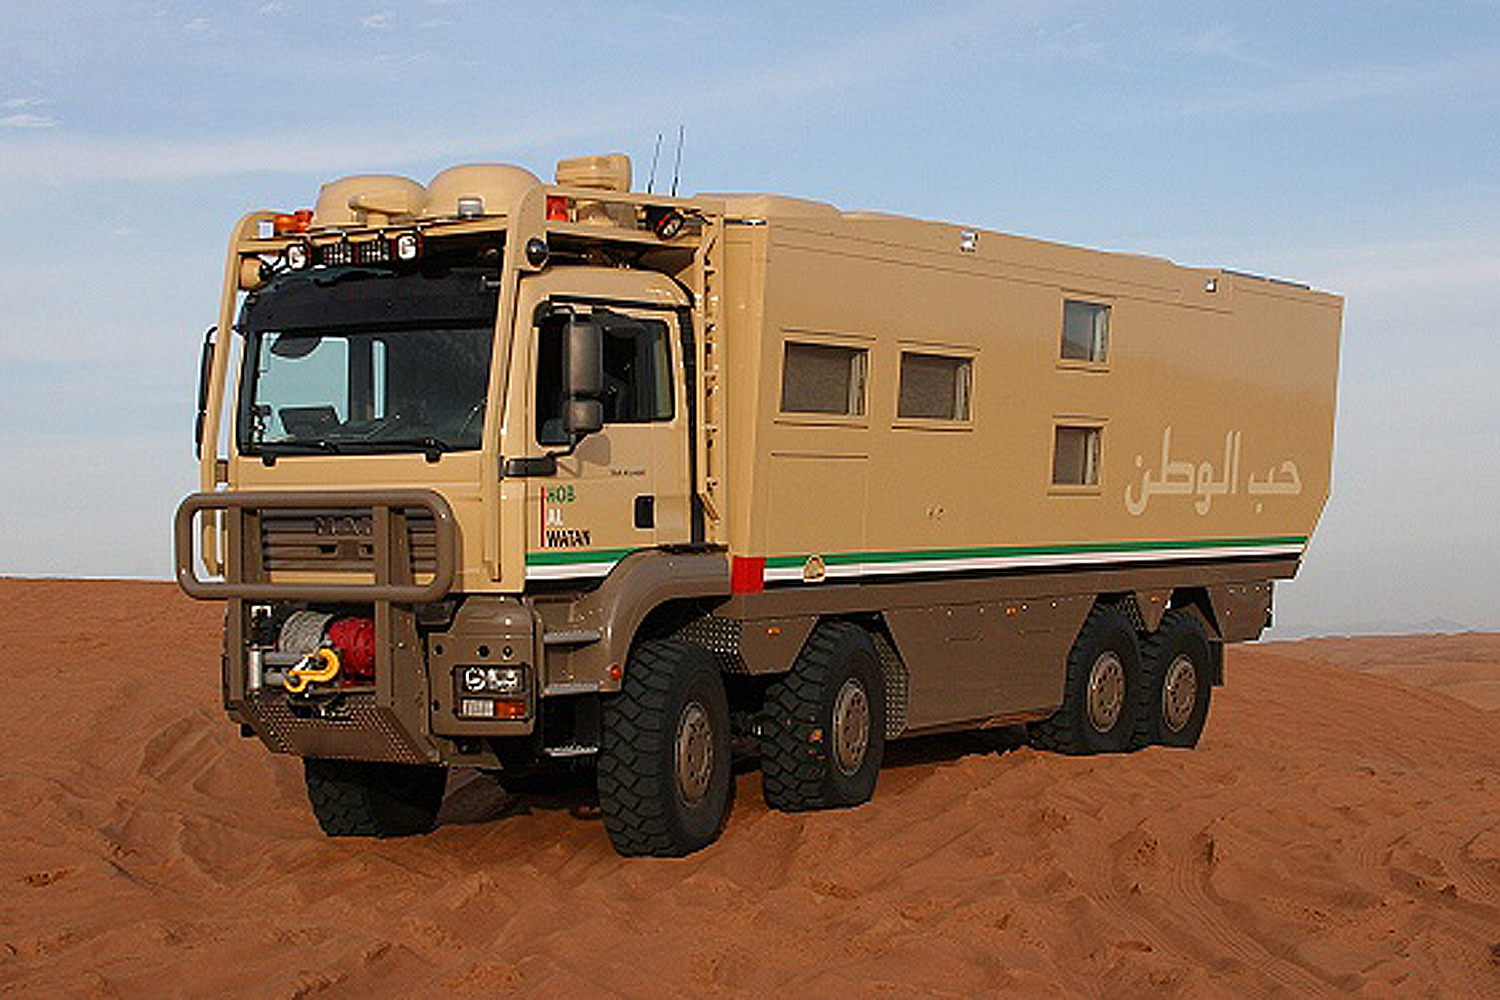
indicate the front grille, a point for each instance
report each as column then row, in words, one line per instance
column 340, row 540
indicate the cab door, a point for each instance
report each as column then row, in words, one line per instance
column 625, row 487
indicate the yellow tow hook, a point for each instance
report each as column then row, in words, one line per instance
column 300, row 676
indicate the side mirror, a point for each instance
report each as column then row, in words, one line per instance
column 583, row 373
column 583, row 416
column 205, row 374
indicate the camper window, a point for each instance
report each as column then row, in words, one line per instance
column 933, row 387
column 1085, row 333
column 1075, row 456
column 823, row 378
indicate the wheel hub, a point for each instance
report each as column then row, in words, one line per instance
column 695, row 753
column 851, row 726
column 1106, row 692
column 1179, row 693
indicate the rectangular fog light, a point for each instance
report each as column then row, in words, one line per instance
column 492, row 708
column 477, row 708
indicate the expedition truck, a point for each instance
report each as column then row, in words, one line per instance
column 519, row 474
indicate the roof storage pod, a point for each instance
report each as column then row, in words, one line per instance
column 610, row 172
column 494, row 186
column 368, row 200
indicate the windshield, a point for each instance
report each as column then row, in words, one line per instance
column 367, row 363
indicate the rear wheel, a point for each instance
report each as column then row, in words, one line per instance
column 1175, row 687
column 356, row 798
column 825, row 723
column 1101, row 691
column 664, row 767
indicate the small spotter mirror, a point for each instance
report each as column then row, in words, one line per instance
column 295, row 345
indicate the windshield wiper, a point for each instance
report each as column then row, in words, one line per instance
column 269, row 450
column 433, row 447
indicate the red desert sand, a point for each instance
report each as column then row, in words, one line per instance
column 1337, row 832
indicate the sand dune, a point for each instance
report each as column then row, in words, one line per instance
column 1464, row 665
column 1337, row 832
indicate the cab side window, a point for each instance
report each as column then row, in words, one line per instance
column 637, row 373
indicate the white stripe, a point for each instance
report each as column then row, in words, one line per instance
column 794, row 573
column 567, row 571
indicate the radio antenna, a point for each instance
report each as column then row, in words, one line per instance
column 677, row 167
column 655, row 154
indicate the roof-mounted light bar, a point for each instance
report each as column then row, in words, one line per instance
column 394, row 248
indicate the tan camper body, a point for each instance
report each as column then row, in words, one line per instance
column 830, row 477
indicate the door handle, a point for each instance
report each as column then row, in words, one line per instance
column 645, row 511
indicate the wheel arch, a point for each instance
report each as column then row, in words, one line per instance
column 644, row 594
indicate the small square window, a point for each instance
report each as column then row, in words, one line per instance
column 1085, row 334
column 823, row 378
column 934, row 387
column 1075, row 456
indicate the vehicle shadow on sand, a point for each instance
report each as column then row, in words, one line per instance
column 476, row 798
column 945, row 748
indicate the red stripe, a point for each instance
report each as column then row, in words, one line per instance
column 747, row 575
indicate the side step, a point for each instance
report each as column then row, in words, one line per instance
column 580, row 637
column 570, row 750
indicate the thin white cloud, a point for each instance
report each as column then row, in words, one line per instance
column 25, row 119
column 1224, row 43
column 851, row 61
column 63, row 158
column 1471, row 76
column 1447, row 268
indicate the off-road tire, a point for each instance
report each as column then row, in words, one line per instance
column 1073, row 728
column 801, row 765
column 1175, row 682
column 646, row 810
column 355, row 798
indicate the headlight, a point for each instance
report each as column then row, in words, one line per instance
column 407, row 246
column 491, row 680
column 297, row 255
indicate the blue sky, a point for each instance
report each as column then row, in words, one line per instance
column 1354, row 146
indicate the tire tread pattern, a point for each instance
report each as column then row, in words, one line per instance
column 794, row 749
column 1175, row 621
column 1062, row 732
column 632, row 792
column 371, row 799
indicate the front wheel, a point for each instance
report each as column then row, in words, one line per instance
column 664, row 769
column 357, row 798
column 825, row 723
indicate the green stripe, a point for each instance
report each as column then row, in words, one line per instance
column 1003, row 551
column 576, row 556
